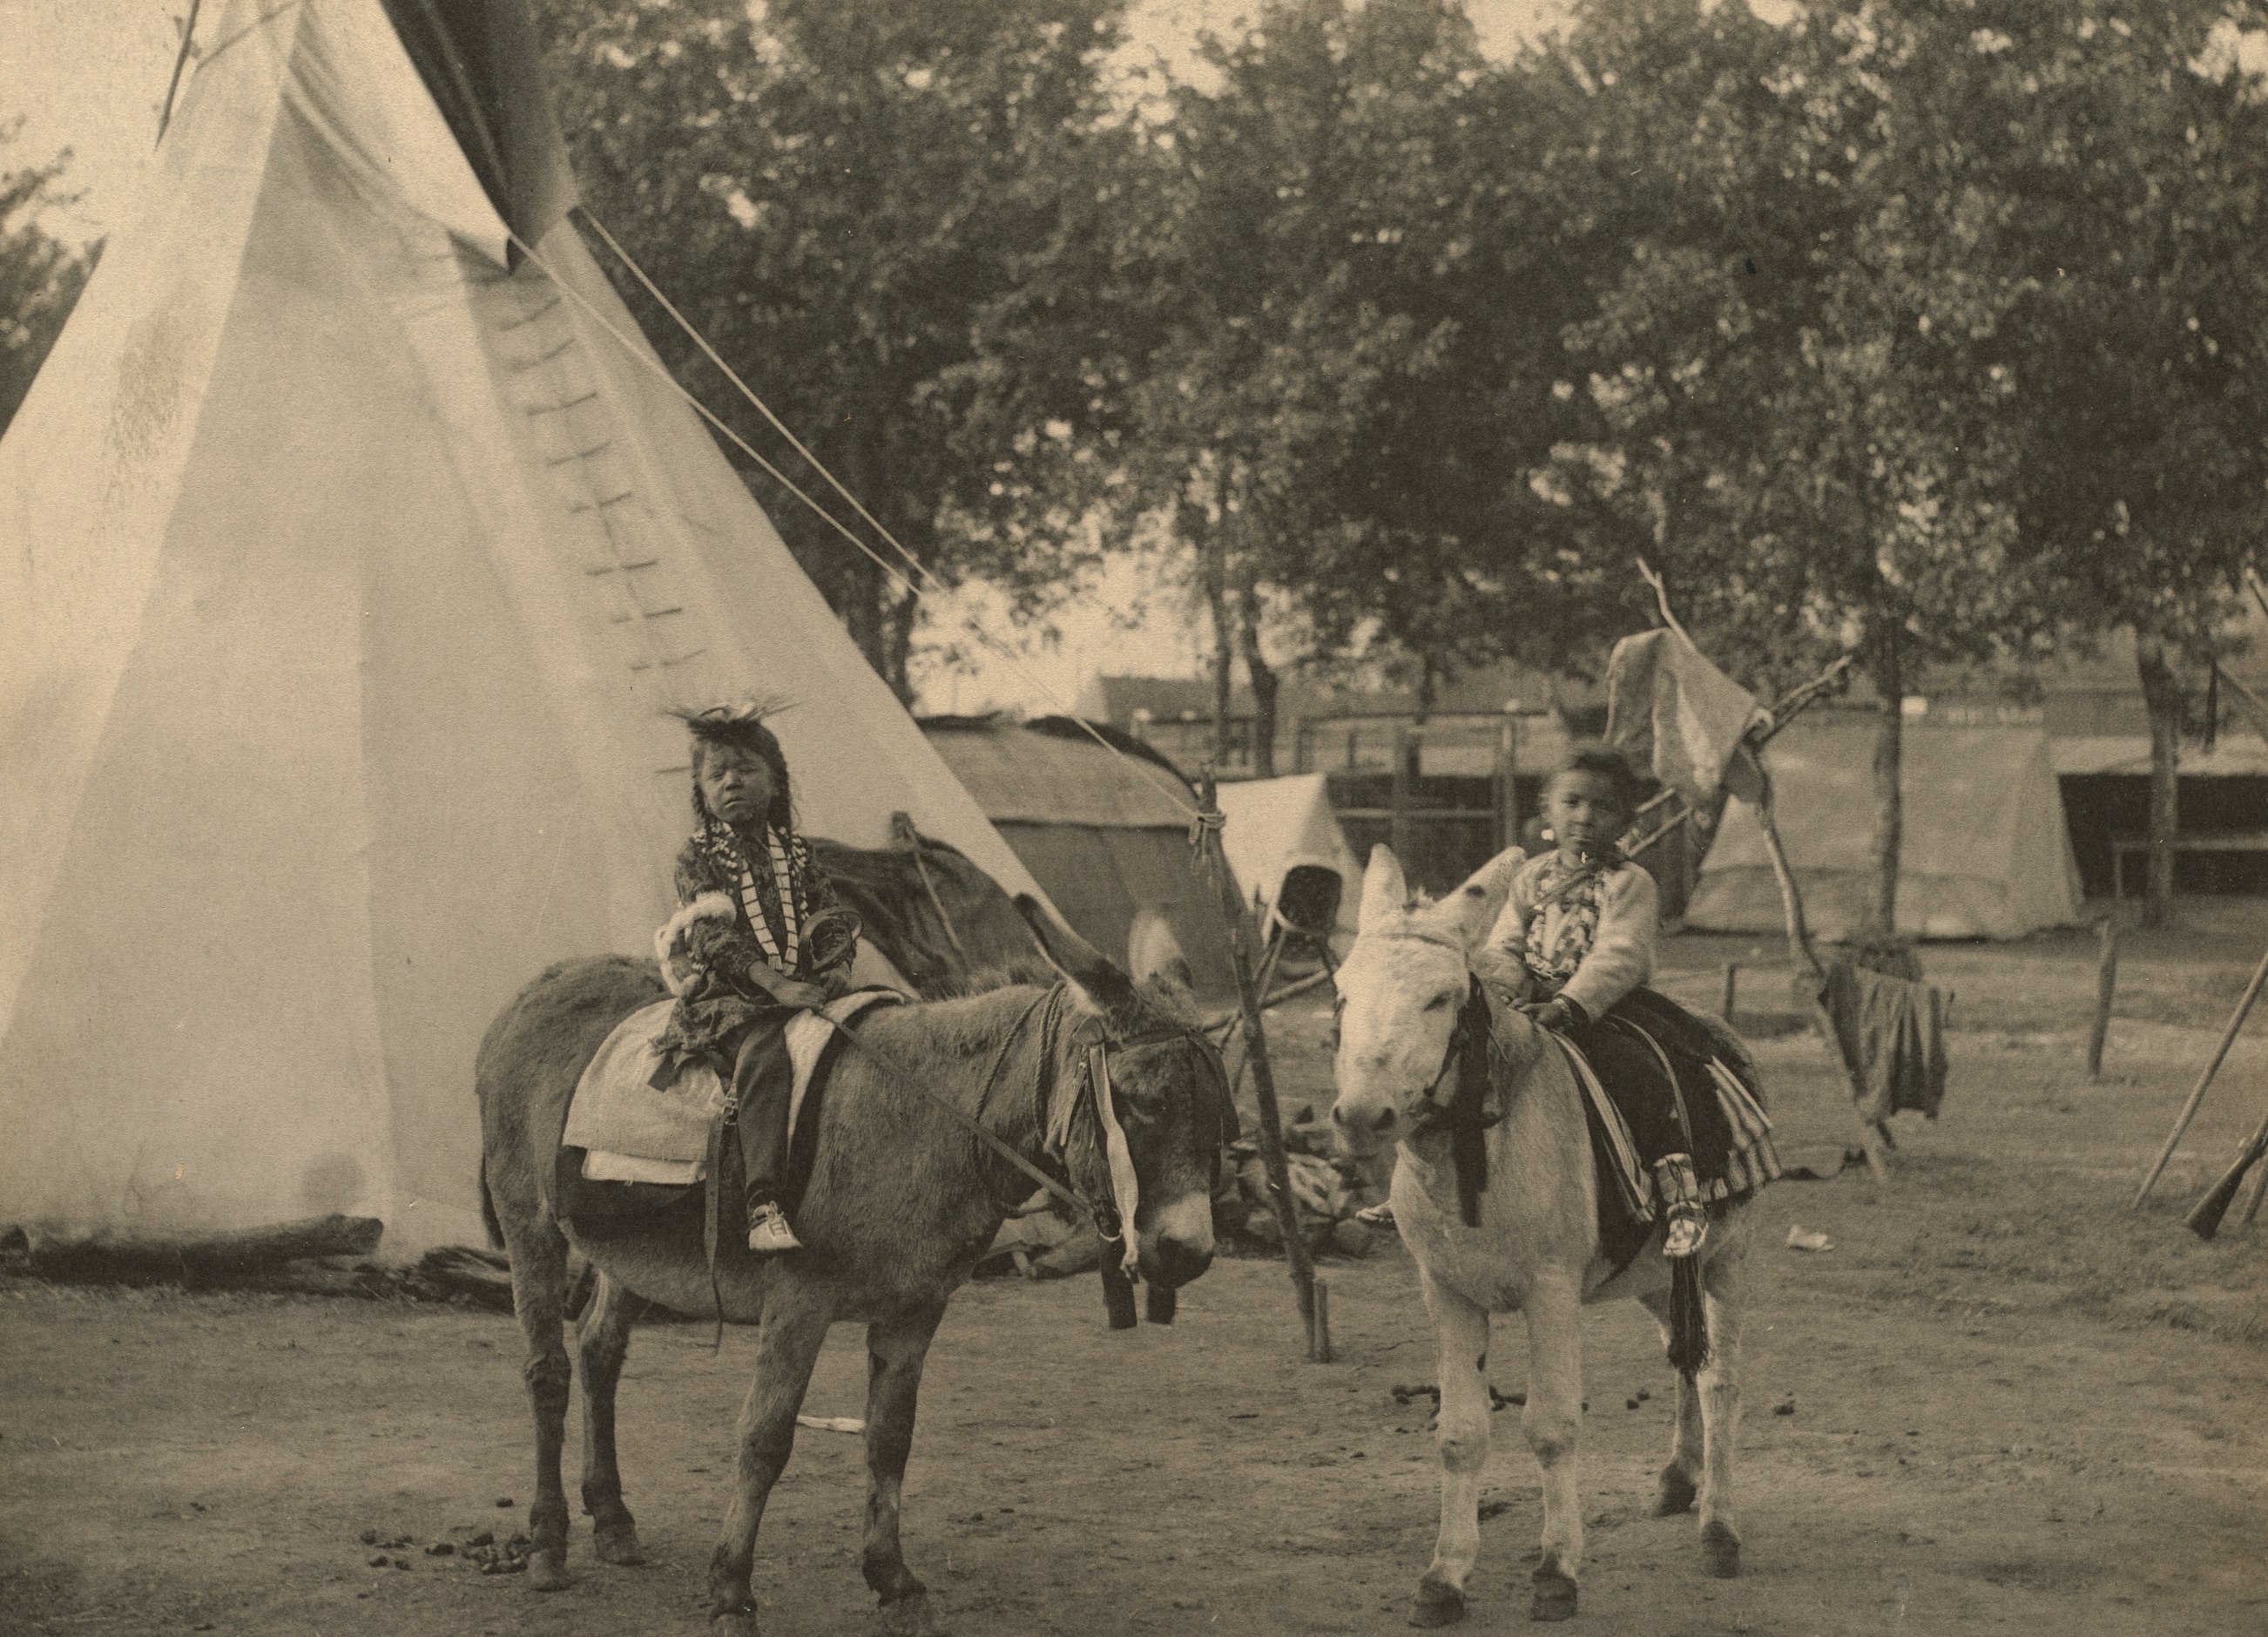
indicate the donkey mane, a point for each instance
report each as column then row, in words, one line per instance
column 985, row 979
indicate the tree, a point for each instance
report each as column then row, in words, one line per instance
column 1337, row 212
column 40, row 277
column 888, row 219
column 1808, row 377
column 2144, row 452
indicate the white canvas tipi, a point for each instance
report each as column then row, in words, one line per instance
column 348, row 563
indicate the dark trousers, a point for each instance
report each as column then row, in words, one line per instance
column 763, row 1083
column 1631, row 1072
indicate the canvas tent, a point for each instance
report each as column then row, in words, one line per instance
column 350, row 555
column 1106, row 834
column 1286, row 845
column 1984, row 851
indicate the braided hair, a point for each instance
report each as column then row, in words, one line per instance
column 741, row 727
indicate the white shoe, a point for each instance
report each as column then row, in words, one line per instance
column 768, row 1233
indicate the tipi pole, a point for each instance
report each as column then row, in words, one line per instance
column 2106, row 989
column 1799, row 945
column 2197, row 1096
column 2259, row 1187
column 1215, row 863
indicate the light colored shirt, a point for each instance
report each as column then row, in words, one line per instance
column 1619, row 956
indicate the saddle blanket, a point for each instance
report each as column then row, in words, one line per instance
column 631, row 1132
column 1739, row 1157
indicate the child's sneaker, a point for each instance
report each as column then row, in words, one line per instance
column 768, row 1233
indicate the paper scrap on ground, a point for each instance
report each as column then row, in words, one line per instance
column 1805, row 1239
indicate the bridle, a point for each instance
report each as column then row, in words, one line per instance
column 1466, row 1068
column 1470, row 1034
column 1094, row 1096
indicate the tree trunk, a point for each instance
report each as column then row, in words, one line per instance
column 1889, row 810
column 2163, row 694
column 861, row 612
column 898, row 645
column 1212, row 557
column 1265, row 684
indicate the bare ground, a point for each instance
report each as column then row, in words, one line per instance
column 2012, row 1407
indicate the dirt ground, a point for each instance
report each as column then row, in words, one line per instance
column 1999, row 1403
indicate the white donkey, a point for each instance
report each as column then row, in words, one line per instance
column 1536, row 1249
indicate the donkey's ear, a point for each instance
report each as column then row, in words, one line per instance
column 1081, row 964
column 1153, row 954
column 1472, row 911
column 1384, row 891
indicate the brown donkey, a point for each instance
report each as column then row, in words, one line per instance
column 904, row 1199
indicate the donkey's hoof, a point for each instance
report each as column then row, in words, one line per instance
column 1720, row 1552
column 1436, row 1604
column 547, row 1571
column 618, row 1545
column 1555, row 1597
column 910, row 1616
column 1675, row 1495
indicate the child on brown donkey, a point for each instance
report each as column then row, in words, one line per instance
column 764, row 936
column 1582, row 920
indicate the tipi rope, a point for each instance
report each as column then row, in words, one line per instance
column 645, row 358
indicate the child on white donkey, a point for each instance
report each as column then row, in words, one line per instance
column 1564, row 943
column 1581, row 922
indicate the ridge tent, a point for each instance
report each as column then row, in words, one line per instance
column 350, row 551
column 1104, row 833
column 1284, row 842
column 1984, row 851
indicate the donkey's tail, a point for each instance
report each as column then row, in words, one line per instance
column 487, row 1208
column 1689, row 1317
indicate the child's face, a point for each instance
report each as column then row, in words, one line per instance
column 1585, row 811
column 736, row 784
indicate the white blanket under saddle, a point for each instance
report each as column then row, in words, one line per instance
column 631, row 1132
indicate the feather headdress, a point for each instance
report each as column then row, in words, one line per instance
column 742, row 725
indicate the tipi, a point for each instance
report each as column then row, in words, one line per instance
column 351, row 550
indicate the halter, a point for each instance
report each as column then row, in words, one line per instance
column 1465, row 1067
column 1434, row 1109
column 1095, row 1095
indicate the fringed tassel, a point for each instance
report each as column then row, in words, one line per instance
column 1688, row 1318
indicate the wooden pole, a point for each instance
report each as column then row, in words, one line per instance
column 1732, row 979
column 2197, row 1096
column 121, row 1258
column 1399, row 830
column 1268, row 959
column 2106, row 984
column 1799, row 945
column 2259, row 1187
column 1263, row 1078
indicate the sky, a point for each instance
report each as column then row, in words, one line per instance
column 90, row 77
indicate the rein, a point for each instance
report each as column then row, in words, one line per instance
column 1059, row 1116
column 1465, row 1065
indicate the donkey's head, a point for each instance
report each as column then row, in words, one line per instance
column 1400, row 990
column 1166, row 1086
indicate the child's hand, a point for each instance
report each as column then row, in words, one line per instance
column 788, row 992
column 1553, row 1014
